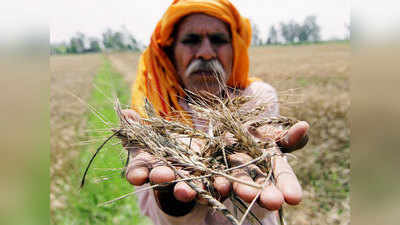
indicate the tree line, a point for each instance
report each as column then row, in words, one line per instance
column 122, row 40
column 290, row 32
column 111, row 40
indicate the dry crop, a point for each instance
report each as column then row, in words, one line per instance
column 163, row 139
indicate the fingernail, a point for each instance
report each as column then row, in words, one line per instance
column 304, row 124
column 286, row 139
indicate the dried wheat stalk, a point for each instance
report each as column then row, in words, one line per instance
column 161, row 139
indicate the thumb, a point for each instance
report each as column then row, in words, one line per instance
column 296, row 137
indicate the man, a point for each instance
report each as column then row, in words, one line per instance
column 201, row 46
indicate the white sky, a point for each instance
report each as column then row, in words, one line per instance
column 92, row 17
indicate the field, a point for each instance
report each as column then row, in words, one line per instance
column 313, row 85
column 313, row 82
column 69, row 74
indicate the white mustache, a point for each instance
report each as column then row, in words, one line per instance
column 214, row 66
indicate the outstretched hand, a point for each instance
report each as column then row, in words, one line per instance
column 177, row 199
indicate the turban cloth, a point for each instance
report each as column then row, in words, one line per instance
column 156, row 77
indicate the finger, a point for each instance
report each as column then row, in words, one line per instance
column 161, row 174
column 245, row 192
column 238, row 159
column 296, row 137
column 138, row 168
column 271, row 198
column 183, row 192
column 138, row 176
column 287, row 181
column 222, row 185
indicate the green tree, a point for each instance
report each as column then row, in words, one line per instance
column 289, row 31
column 94, row 45
column 272, row 36
column 77, row 44
column 120, row 40
column 108, row 39
column 73, row 46
column 310, row 29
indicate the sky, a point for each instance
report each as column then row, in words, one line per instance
column 92, row 17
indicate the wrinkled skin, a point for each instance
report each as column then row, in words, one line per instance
column 204, row 37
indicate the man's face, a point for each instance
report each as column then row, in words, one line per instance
column 203, row 53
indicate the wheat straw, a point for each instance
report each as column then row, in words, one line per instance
column 160, row 137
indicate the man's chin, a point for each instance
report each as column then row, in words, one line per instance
column 206, row 90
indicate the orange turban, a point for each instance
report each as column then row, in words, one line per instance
column 156, row 76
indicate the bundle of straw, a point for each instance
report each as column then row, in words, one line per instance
column 161, row 138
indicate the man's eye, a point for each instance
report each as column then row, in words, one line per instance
column 191, row 41
column 218, row 40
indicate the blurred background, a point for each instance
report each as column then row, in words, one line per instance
column 301, row 48
column 94, row 26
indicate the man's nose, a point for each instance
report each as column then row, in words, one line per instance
column 206, row 50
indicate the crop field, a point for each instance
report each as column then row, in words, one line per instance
column 313, row 85
column 70, row 76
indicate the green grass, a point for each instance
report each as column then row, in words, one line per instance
column 82, row 205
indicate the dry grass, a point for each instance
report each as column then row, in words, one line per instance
column 69, row 74
column 319, row 78
column 280, row 62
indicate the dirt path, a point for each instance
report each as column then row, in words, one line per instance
column 126, row 64
column 69, row 74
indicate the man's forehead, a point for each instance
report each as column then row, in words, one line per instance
column 201, row 23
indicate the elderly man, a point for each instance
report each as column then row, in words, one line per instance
column 201, row 46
